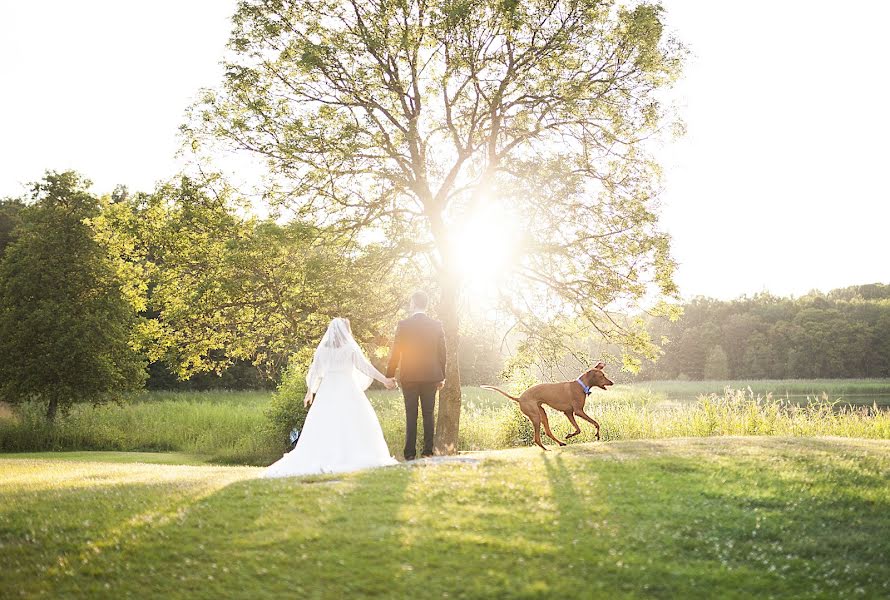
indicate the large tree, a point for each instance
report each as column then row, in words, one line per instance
column 405, row 116
column 65, row 324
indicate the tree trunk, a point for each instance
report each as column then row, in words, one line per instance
column 448, row 419
column 51, row 409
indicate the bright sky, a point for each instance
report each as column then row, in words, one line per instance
column 779, row 185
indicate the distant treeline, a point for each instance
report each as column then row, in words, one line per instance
column 839, row 334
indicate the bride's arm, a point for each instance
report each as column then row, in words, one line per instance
column 364, row 365
column 313, row 382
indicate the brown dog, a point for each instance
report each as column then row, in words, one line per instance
column 568, row 397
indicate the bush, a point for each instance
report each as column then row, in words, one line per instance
column 286, row 410
column 516, row 429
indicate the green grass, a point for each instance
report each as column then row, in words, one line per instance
column 230, row 428
column 722, row 517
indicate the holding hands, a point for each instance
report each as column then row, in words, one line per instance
column 389, row 382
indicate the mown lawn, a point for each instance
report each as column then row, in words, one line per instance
column 707, row 517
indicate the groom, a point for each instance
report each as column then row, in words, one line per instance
column 419, row 348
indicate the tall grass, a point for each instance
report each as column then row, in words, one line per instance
column 234, row 428
column 226, row 427
column 735, row 412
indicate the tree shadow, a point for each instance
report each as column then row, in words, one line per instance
column 258, row 537
column 55, row 534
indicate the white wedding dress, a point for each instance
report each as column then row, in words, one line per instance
column 341, row 432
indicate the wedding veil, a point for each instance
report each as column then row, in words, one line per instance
column 338, row 346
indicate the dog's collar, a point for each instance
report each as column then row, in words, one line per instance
column 586, row 389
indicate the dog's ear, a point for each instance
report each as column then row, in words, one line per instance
column 599, row 366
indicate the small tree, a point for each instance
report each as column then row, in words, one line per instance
column 65, row 325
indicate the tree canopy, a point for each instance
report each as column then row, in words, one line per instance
column 218, row 287
column 10, row 219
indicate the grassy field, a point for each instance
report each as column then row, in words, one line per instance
column 230, row 427
column 855, row 391
column 728, row 517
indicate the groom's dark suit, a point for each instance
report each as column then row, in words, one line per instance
column 419, row 353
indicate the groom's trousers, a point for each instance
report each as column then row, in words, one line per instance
column 426, row 393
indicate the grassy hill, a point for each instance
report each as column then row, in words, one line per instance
column 728, row 516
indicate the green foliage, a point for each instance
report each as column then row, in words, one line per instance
column 10, row 219
column 65, row 326
column 719, row 517
column 286, row 411
column 241, row 375
column 221, row 288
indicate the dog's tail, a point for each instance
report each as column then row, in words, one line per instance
column 491, row 387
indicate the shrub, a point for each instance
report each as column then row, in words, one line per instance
column 286, row 410
column 516, row 429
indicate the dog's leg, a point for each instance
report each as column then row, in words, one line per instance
column 571, row 417
column 580, row 412
column 537, row 425
column 546, row 423
column 535, row 417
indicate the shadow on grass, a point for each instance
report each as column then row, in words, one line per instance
column 289, row 537
column 49, row 536
column 750, row 517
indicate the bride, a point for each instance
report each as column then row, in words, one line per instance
column 341, row 432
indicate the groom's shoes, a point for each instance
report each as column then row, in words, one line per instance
column 423, row 455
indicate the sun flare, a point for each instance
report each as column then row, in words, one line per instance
column 485, row 245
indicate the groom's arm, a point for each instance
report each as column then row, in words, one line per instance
column 395, row 353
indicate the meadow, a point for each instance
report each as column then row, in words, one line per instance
column 853, row 391
column 729, row 517
column 231, row 427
